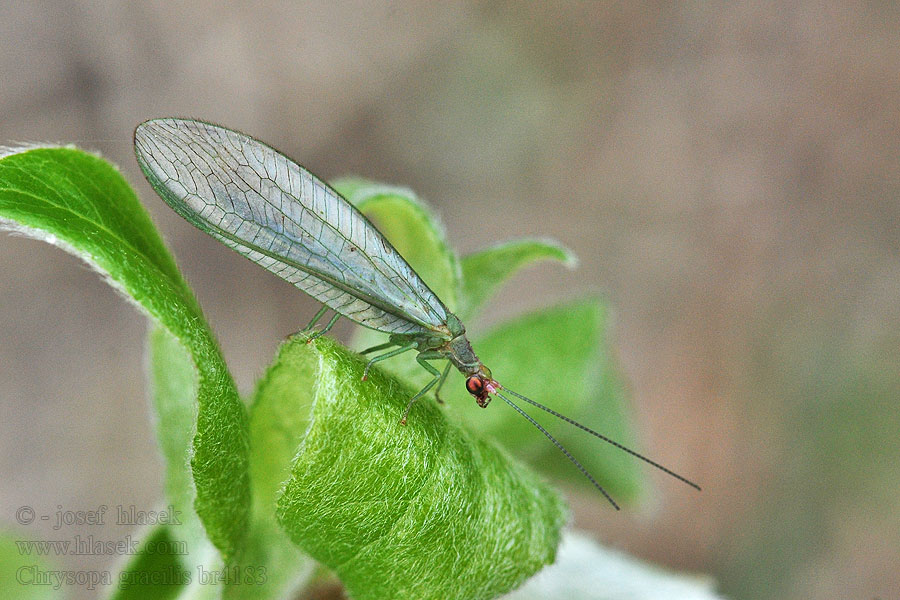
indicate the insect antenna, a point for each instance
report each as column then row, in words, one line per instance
column 602, row 437
column 561, row 447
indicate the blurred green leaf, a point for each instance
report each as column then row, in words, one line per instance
column 82, row 204
column 21, row 569
column 348, row 187
column 422, row 511
column 559, row 356
column 484, row 271
column 832, row 409
column 157, row 572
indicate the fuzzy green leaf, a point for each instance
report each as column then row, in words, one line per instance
column 484, row 271
column 422, row 511
column 81, row 203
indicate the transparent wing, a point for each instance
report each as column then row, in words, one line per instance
column 276, row 213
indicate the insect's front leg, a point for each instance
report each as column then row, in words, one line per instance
column 440, row 384
column 325, row 329
column 401, row 350
column 315, row 318
column 383, row 346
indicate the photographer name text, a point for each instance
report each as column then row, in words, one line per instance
column 102, row 515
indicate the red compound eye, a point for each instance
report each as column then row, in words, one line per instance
column 475, row 385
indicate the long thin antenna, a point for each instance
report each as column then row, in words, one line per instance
column 561, row 447
column 602, row 437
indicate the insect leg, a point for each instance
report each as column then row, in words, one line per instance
column 325, row 329
column 421, row 358
column 400, row 350
column 378, row 347
column 440, row 383
column 317, row 316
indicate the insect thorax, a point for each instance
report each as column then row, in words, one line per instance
column 460, row 353
column 455, row 325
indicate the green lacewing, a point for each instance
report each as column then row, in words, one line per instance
column 265, row 206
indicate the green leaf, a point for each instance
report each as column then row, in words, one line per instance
column 586, row 570
column 21, row 570
column 422, row 511
column 158, row 570
column 173, row 385
column 81, row 203
column 347, row 187
column 484, row 271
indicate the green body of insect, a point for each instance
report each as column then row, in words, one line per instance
column 262, row 204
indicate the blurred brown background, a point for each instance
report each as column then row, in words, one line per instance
column 729, row 177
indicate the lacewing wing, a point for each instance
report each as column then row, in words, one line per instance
column 260, row 203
